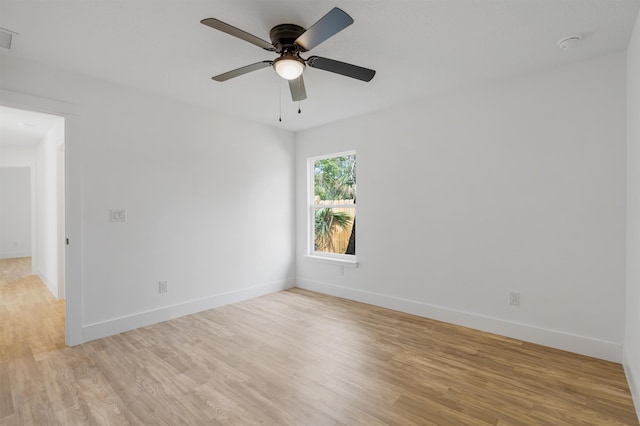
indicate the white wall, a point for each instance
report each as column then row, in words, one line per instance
column 632, row 320
column 15, row 212
column 17, row 156
column 209, row 200
column 46, row 261
column 24, row 156
column 517, row 186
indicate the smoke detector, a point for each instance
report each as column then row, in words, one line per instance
column 568, row 42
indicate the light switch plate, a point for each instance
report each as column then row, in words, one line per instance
column 117, row 215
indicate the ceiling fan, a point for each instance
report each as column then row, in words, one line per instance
column 289, row 41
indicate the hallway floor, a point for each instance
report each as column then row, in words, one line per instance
column 32, row 318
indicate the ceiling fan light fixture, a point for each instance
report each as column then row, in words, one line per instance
column 289, row 66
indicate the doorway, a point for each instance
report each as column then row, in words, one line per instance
column 32, row 234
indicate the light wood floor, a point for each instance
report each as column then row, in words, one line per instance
column 32, row 318
column 301, row 358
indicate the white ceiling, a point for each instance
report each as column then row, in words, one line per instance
column 25, row 128
column 418, row 48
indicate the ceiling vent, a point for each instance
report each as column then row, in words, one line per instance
column 6, row 36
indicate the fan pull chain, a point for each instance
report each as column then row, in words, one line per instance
column 299, row 90
column 280, row 94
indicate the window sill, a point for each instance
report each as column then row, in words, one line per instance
column 333, row 261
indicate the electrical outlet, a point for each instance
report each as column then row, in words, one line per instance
column 163, row 286
column 514, row 298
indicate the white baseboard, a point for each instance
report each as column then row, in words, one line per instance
column 143, row 319
column 583, row 345
column 633, row 379
column 14, row 254
column 51, row 285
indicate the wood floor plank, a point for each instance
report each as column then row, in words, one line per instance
column 292, row 358
column 6, row 399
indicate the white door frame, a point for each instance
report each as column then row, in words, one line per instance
column 72, row 204
column 61, row 234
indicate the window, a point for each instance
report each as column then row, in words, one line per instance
column 332, row 206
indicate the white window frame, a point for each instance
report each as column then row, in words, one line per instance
column 348, row 260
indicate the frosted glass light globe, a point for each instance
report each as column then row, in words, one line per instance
column 289, row 67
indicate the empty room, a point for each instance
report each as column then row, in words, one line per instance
column 200, row 211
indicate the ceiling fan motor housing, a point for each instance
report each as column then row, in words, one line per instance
column 283, row 37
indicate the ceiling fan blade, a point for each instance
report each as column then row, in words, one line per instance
column 241, row 71
column 349, row 70
column 298, row 92
column 236, row 32
column 327, row 26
